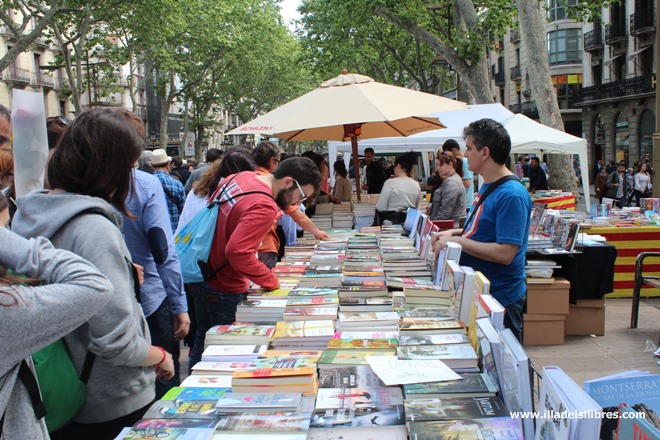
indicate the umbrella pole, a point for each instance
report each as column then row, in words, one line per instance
column 356, row 167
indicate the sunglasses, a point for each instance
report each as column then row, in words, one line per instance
column 60, row 120
column 302, row 193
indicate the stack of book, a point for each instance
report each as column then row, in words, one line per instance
column 240, row 333
column 202, row 429
column 287, row 359
column 232, row 353
column 303, row 334
column 323, row 215
column 364, row 214
column 371, row 321
column 261, row 310
column 459, row 357
column 342, row 216
column 358, row 413
column 428, row 295
column 275, row 380
column 285, row 425
column 258, row 402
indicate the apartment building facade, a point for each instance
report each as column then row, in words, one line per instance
column 618, row 100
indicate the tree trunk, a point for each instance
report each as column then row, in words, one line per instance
column 562, row 175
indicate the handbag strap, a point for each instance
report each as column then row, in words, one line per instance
column 29, row 380
column 483, row 196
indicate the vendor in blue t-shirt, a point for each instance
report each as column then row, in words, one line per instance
column 494, row 240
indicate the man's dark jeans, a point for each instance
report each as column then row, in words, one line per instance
column 211, row 308
column 161, row 327
column 513, row 318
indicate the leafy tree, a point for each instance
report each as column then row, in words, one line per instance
column 37, row 12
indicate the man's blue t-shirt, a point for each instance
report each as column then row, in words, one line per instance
column 502, row 218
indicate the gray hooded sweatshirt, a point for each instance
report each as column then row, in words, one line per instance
column 118, row 334
column 37, row 316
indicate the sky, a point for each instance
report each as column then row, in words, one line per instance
column 288, row 11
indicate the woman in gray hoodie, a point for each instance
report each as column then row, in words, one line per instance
column 33, row 317
column 90, row 176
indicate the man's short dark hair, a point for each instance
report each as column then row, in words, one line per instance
column 449, row 145
column 303, row 169
column 489, row 133
column 369, row 150
column 264, row 152
column 177, row 161
column 213, row 154
column 535, row 159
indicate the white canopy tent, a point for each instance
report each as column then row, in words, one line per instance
column 527, row 136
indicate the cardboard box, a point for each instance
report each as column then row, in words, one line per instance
column 543, row 329
column 548, row 299
column 587, row 317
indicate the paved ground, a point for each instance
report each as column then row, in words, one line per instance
column 620, row 349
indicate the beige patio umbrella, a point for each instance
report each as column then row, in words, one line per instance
column 352, row 106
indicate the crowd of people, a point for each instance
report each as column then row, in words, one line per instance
column 103, row 229
column 624, row 185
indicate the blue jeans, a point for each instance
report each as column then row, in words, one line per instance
column 211, row 308
column 513, row 318
column 161, row 327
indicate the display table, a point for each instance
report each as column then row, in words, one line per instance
column 557, row 202
column 591, row 272
column 629, row 242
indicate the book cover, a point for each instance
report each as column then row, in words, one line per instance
column 441, row 352
column 359, row 398
column 448, row 408
column 470, row 384
column 274, row 372
column 372, row 344
column 180, row 394
column 351, row 357
column 632, row 426
column 242, row 329
column 193, row 409
column 206, row 381
column 434, row 339
column 240, row 402
column 364, row 432
column 136, row 433
column 348, row 376
column 263, row 422
column 318, row 301
column 284, row 362
column 304, row 329
column 491, row 428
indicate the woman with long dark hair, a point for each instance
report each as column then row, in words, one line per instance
column 90, row 173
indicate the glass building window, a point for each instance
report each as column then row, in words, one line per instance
column 559, row 9
column 565, row 46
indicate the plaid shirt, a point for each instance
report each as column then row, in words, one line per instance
column 175, row 196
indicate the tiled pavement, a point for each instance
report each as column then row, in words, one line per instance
column 620, row 349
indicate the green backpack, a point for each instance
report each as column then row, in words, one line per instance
column 62, row 391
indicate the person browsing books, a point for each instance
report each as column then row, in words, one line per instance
column 253, row 203
column 400, row 193
column 494, row 239
column 448, row 202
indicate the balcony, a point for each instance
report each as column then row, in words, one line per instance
column 593, row 40
column 516, row 73
column 44, row 80
column 641, row 85
column 16, row 75
column 642, row 22
column 515, row 108
column 41, row 42
column 529, row 109
column 5, row 31
column 514, row 36
column 615, row 32
column 499, row 78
